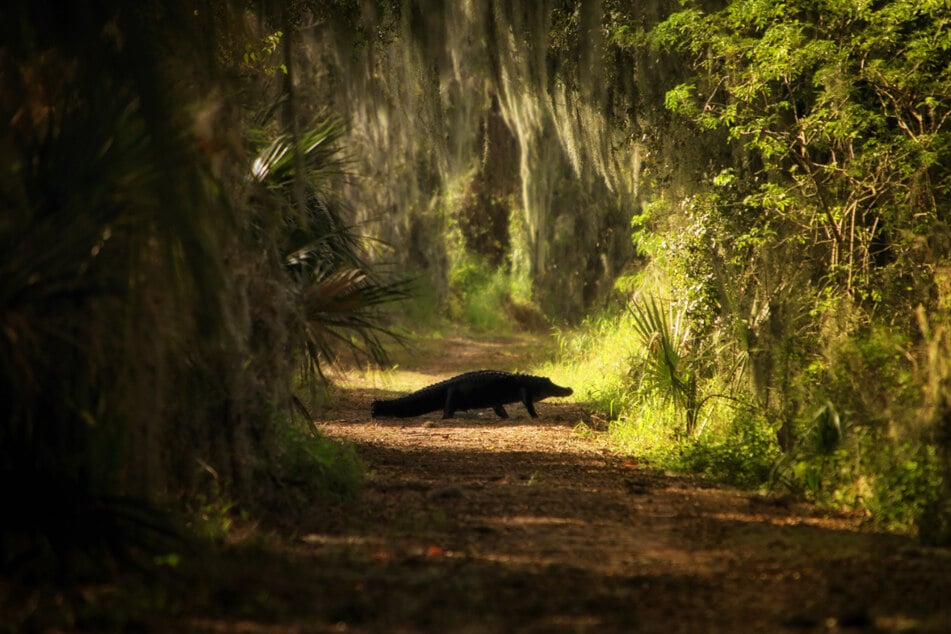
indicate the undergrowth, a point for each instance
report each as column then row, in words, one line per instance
column 311, row 470
column 832, row 460
column 733, row 447
column 321, row 466
column 490, row 299
column 607, row 360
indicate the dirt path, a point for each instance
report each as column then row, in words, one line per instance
column 478, row 524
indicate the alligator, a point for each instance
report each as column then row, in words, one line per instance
column 472, row 390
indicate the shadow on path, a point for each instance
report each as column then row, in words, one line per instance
column 522, row 526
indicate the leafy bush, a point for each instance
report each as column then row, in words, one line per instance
column 489, row 299
column 743, row 453
column 905, row 486
column 802, row 244
column 313, row 466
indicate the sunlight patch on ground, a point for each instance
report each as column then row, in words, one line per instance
column 323, row 539
column 395, row 380
column 786, row 520
column 535, row 520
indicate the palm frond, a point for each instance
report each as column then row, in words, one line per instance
column 337, row 297
column 339, row 312
column 319, row 150
column 665, row 338
column 668, row 366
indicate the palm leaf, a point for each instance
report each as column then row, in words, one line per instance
column 665, row 346
column 338, row 299
column 668, row 366
column 319, row 150
column 339, row 314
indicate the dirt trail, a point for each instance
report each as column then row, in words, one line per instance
column 478, row 524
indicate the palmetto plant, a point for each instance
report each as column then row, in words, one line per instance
column 335, row 294
column 668, row 366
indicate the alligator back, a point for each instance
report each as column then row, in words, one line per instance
column 472, row 390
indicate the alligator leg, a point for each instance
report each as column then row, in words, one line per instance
column 450, row 408
column 500, row 411
column 527, row 401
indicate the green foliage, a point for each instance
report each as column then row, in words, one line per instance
column 801, row 253
column 667, row 367
column 260, row 54
column 846, row 106
column 906, row 487
column 735, row 446
column 211, row 513
column 335, row 292
column 646, row 428
column 475, row 295
column 896, row 483
column 488, row 299
column 597, row 356
column 312, row 468
column 743, row 452
column 618, row 364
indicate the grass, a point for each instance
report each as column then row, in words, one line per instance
column 603, row 360
column 490, row 299
column 595, row 358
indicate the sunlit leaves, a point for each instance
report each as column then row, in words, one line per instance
column 318, row 145
column 682, row 100
column 755, row 13
column 259, row 54
column 680, row 31
column 667, row 366
column 847, row 103
column 828, row 216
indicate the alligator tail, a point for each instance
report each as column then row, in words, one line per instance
column 405, row 407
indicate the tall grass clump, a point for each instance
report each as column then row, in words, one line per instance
column 595, row 358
